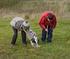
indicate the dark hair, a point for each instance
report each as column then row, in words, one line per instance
column 26, row 16
column 50, row 16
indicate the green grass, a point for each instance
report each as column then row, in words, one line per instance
column 58, row 49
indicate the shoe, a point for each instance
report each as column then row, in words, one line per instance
column 24, row 44
column 12, row 45
column 49, row 41
column 44, row 42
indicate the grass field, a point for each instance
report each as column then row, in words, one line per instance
column 58, row 49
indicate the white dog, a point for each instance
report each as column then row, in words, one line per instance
column 21, row 24
column 33, row 38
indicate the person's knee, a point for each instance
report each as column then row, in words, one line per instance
column 23, row 32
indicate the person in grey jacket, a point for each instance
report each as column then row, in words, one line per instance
column 18, row 25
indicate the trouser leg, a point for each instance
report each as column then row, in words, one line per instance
column 44, row 35
column 50, row 34
column 14, row 36
column 23, row 34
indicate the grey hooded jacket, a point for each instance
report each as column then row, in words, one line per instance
column 19, row 23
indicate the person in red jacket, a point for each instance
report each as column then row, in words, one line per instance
column 47, row 22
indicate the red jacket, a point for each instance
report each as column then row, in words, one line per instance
column 43, row 22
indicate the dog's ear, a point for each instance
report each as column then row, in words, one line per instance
column 33, row 40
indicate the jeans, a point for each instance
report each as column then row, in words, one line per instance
column 49, row 33
column 23, row 34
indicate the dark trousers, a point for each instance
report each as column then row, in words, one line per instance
column 14, row 38
column 49, row 33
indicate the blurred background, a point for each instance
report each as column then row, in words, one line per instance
column 34, row 7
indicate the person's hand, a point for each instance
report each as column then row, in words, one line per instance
column 46, row 30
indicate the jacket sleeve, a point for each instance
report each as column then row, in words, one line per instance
column 41, row 23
